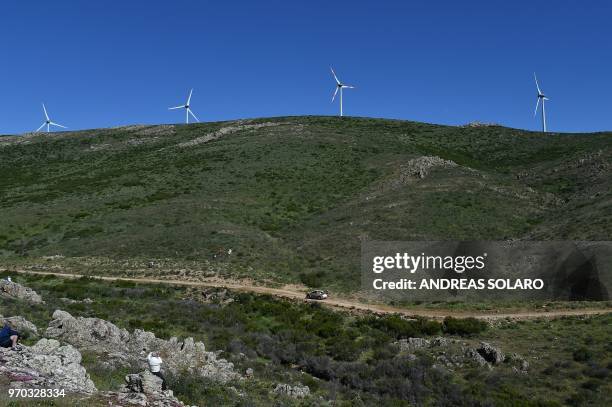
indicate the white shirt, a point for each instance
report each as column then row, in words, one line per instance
column 154, row 363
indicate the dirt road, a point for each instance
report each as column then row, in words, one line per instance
column 341, row 303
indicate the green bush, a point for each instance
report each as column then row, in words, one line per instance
column 582, row 354
column 463, row 326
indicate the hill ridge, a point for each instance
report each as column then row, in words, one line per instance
column 292, row 200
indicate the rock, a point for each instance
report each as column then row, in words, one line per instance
column 47, row 365
column 145, row 389
column 133, row 383
column 519, row 364
column 249, row 372
column 87, row 333
column 477, row 123
column 150, row 383
column 296, row 392
column 412, row 344
column 122, row 348
column 12, row 290
column 473, row 355
column 131, row 398
column 442, row 341
column 224, row 131
column 420, row 167
column 71, row 301
column 144, row 382
column 20, row 324
column 490, row 353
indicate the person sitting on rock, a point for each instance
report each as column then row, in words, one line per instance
column 9, row 337
column 155, row 362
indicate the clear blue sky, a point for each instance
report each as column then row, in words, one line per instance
column 108, row 63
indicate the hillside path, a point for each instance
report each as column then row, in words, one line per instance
column 347, row 304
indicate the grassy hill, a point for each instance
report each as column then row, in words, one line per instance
column 292, row 197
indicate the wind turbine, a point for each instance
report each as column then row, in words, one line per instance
column 187, row 108
column 48, row 122
column 340, row 86
column 542, row 96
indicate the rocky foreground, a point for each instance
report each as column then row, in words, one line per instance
column 54, row 362
column 46, row 365
column 120, row 348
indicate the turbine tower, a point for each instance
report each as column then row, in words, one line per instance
column 340, row 86
column 187, row 108
column 48, row 122
column 543, row 97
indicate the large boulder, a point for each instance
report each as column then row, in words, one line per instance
column 121, row 347
column 87, row 333
column 490, row 353
column 46, row 365
column 473, row 355
column 12, row 290
column 145, row 389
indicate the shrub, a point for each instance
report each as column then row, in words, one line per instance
column 582, row 354
column 465, row 326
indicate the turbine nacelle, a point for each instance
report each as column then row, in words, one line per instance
column 339, row 86
column 187, row 107
column 48, row 122
column 540, row 96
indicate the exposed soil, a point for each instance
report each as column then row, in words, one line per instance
column 293, row 293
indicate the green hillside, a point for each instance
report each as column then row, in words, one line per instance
column 292, row 197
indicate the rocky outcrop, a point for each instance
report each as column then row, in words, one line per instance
column 12, row 290
column 477, row 123
column 490, row 353
column 518, row 363
column 121, row 347
column 223, row 131
column 412, row 344
column 143, row 389
column 20, row 324
column 150, row 386
column 296, row 392
column 46, row 365
column 472, row 354
column 452, row 353
column 421, row 166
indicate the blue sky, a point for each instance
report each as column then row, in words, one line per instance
column 108, row 63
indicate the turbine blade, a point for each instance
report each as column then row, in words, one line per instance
column 535, row 112
column 335, row 77
column 189, row 98
column 58, row 125
column 194, row 116
column 176, row 107
column 537, row 85
column 45, row 110
column 41, row 126
column 348, row 86
column 335, row 93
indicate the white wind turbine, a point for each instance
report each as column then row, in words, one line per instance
column 544, row 98
column 340, row 86
column 187, row 108
column 48, row 122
